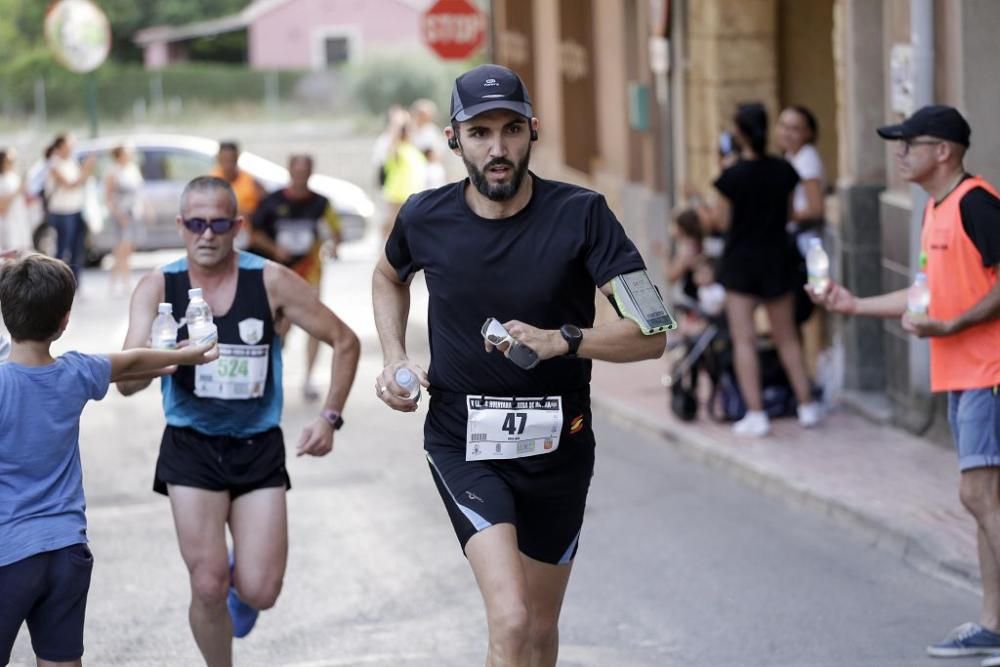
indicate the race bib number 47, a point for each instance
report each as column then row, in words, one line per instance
column 512, row 428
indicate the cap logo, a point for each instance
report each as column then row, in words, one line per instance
column 491, row 82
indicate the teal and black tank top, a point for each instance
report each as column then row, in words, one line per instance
column 239, row 395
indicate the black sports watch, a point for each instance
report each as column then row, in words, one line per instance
column 573, row 337
column 333, row 418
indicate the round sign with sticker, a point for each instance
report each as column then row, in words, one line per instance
column 79, row 34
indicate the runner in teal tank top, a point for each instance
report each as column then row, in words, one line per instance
column 222, row 456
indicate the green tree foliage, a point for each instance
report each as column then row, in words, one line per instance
column 21, row 24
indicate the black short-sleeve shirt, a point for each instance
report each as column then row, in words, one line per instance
column 541, row 266
column 759, row 192
column 980, row 212
column 278, row 211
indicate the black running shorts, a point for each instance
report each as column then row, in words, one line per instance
column 543, row 496
column 221, row 463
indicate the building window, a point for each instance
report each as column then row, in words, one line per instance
column 337, row 51
column 336, row 45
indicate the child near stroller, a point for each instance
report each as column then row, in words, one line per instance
column 700, row 358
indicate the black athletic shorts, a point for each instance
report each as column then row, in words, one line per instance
column 543, row 496
column 767, row 274
column 221, row 463
column 48, row 591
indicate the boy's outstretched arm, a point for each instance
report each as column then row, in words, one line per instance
column 140, row 360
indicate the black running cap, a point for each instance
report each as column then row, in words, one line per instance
column 935, row 120
column 489, row 87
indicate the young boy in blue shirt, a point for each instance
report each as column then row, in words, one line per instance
column 45, row 564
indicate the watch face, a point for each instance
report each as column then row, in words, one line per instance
column 573, row 336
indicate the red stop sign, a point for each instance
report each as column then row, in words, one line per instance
column 454, row 29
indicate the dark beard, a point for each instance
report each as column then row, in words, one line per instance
column 500, row 191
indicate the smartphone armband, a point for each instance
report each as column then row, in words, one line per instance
column 636, row 298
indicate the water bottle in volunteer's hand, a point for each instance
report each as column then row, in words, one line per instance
column 918, row 297
column 164, row 333
column 818, row 266
column 201, row 329
column 407, row 379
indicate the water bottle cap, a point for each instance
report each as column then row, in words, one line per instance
column 194, row 293
column 404, row 376
column 921, row 276
column 815, row 241
column 165, row 308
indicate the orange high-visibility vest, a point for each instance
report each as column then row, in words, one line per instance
column 958, row 281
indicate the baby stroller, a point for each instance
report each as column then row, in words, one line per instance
column 707, row 352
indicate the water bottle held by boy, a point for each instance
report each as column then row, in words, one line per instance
column 407, row 379
column 164, row 333
column 198, row 316
column 918, row 297
column 818, row 266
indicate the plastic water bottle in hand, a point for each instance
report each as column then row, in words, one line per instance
column 918, row 297
column 201, row 328
column 407, row 379
column 164, row 333
column 818, row 266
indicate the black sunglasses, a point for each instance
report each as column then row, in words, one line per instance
column 218, row 225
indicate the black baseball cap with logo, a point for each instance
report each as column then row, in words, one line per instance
column 489, row 87
column 935, row 120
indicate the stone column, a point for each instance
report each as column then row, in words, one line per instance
column 858, row 44
column 732, row 59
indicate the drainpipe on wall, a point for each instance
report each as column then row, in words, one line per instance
column 922, row 41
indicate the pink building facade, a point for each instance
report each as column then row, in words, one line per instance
column 300, row 34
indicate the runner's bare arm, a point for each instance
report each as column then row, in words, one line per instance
column 142, row 311
column 300, row 304
column 619, row 341
column 391, row 301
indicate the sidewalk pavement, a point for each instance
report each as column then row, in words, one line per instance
column 899, row 490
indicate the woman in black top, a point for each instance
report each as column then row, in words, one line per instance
column 759, row 264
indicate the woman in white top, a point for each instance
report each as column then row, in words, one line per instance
column 796, row 135
column 64, row 196
column 121, row 192
column 15, row 232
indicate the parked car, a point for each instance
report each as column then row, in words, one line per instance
column 167, row 163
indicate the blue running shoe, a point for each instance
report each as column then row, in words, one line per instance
column 243, row 615
column 966, row 639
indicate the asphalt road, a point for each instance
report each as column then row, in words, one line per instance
column 679, row 566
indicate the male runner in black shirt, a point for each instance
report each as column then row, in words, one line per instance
column 289, row 227
column 511, row 450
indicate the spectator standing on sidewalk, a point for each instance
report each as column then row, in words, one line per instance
column 15, row 229
column 64, row 200
column 797, row 132
column 405, row 171
column 122, row 186
column 759, row 265
column 961, row 244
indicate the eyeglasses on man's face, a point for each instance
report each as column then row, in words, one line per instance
column 217, row 225
column 906, row 144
